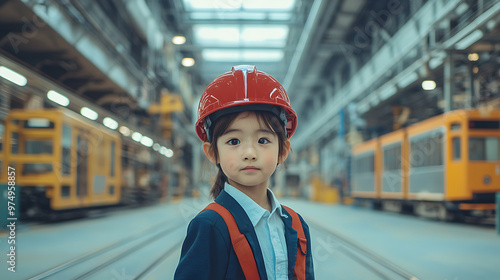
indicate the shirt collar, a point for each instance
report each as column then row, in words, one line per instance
column 253, row 210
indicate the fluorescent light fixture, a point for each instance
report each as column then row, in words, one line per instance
column 271, row 55
column 469, row 40
column 156, row 147
column 269, row 5
column 280, row 16
column 125, row 131
column 462, row 8
column 89, row 113
column 179, row 40
column 262, row 55
column 146, row 141
column 13, row 76
column 264, row 5
column 187, row 62
column 473, row 57
column 219, row 34
column 57, row 98
column 268, row 35
column 428, row 85
column 136, row 136
column 163, row 150
column 110, row 123
column 214, row 5
column 169, row 153
column 241, row 35
column 407, row 80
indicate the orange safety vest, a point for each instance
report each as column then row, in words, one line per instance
column 244, row 251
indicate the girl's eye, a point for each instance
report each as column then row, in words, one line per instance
column 233, row 142
column 263, row 141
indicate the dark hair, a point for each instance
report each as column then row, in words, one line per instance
column 270, row 120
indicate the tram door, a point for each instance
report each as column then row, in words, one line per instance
column 82, row 165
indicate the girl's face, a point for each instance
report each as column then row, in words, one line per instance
column 249, row 152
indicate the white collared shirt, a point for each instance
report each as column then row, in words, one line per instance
column 270, row 231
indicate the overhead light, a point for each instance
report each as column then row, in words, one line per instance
column 179, row 40
column 136, row 136
column 187, row 61
column 169, row 153
column 163, row 150
column 110, row 123
column 89, row 113
column 124, row 130
column 13, row 76
column 146, row 141
column 473, row 57
column 469, row 40
column 428, row 85
column 156, row 147
column 57, row 98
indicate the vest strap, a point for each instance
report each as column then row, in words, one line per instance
column 240, row 243
column 300, row 262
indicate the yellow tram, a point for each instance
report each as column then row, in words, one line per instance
column 62, row 161
column 443, row 167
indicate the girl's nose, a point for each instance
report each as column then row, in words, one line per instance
column 249, row 153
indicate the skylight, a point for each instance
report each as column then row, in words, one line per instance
column 245, row 55
column 241, row 31
column 241, row 35
column 281, row 5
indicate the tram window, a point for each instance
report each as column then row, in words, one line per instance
column 427, row 151
column 38, row 123
column 15, row 143
column 483, row 149
column 37, row 168
column 112, row 159
column 392, row 158
column 364, row 164
column 2, row 129
column 65, row 191
column 455, row 126
column 36, row 147
column 66, row 150
column 111, row 190
column 456, row 148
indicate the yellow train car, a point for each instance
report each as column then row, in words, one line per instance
column 366, row 171
column 394, row 185
column 444, row 167
column 61, row 160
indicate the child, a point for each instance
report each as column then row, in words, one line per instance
column 245, row 120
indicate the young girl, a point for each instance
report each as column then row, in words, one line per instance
column 245, row 120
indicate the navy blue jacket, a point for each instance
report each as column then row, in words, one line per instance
column 207, row 252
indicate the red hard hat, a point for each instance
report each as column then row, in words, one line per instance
column 244, row 89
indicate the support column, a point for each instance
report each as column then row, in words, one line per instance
column 448, row 82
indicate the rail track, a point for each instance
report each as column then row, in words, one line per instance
column 366, row 262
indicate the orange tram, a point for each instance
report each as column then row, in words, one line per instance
column 65, row 163
column 446, row 167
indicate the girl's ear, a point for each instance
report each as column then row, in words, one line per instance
column 286, row 150
column 209, row 152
